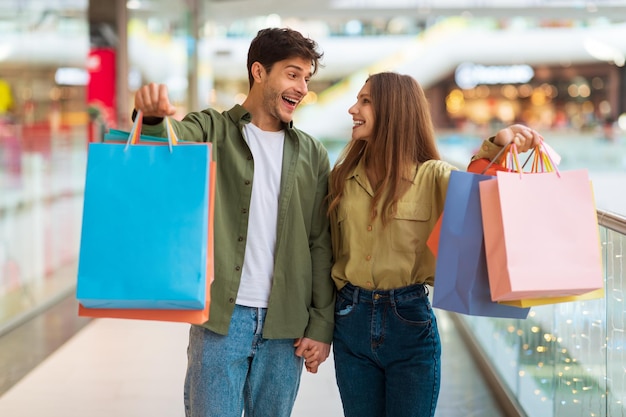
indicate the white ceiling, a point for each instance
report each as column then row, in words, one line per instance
column 228, row 10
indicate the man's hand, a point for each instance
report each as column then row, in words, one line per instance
column 313, row 352
column 153, row 101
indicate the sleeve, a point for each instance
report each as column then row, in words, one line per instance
column 480, row 162
column 321, row 312
column 151, row 121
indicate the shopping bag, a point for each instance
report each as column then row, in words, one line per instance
column 533, row 302
column 461, row 281
column 541, row 234
column 485, row 167
column 432, row 242
column 145, row 233
column 182, row 316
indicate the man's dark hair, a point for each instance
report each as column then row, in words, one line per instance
column 273, row 44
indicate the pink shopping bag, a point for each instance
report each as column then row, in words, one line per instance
column 541, row 235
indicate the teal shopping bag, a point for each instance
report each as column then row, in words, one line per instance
column 145, row 226
column 461, row 280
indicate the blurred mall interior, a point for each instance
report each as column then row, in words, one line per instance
column 68, row 71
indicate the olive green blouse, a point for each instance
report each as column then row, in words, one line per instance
column 371, row 256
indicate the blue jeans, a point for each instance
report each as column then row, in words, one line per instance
column 227, row 374
column 387, row 352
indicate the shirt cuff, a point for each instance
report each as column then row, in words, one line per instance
column 488, row 150
column 150, row 121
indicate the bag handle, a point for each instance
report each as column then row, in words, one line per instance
column 542, row 159
column 135, row 132
column 497, row 157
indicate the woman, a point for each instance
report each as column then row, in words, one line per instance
column 387, row 190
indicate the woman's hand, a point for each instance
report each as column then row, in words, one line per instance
column 524, row 137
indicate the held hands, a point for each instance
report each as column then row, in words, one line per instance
column 152, row 99
column 313, row 352
column 524, row 137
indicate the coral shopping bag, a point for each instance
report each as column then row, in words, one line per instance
column 541, row 234
column 145, row 242
column 461, row 281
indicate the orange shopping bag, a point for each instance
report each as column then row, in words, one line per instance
column 541, row 234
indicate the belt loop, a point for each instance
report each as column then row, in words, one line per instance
column 355, row 295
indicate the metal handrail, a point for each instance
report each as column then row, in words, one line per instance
column 612, row 221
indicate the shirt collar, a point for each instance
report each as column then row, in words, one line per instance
column 360, row 176
column 240, row 115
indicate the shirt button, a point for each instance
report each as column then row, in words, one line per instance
column 231, row 300
column 237, row 268
column 369, row 284
column 369, row 228
column 240, row 238
column 247, row 182
column 244, row 211
column 485, row 147
column 368, row 257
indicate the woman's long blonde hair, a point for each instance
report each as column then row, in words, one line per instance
column 403, row 138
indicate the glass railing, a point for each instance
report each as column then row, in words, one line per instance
column 41, row 194
column 565, row 359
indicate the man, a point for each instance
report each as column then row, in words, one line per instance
column 272, row 299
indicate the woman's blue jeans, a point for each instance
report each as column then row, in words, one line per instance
column 227, row 374
column 387, row 352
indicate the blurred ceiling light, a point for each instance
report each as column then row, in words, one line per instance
column 133, row 4
column 71, row 76
column 604, row 52
column 273, row 20
column 354, row 27
column 5, row 51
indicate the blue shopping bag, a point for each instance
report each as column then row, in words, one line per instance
column 461, row 280
column 145, row 227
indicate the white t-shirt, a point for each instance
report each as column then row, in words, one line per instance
column 258, row 263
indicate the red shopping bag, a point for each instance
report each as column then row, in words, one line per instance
column 541, row 234
column 196, row 316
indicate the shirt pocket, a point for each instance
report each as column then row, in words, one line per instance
column 409, row 227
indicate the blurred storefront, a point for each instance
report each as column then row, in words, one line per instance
column 580, row 97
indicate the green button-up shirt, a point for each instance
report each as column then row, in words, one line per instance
column 302, row 296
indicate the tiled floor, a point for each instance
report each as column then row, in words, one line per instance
column 60, row 365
